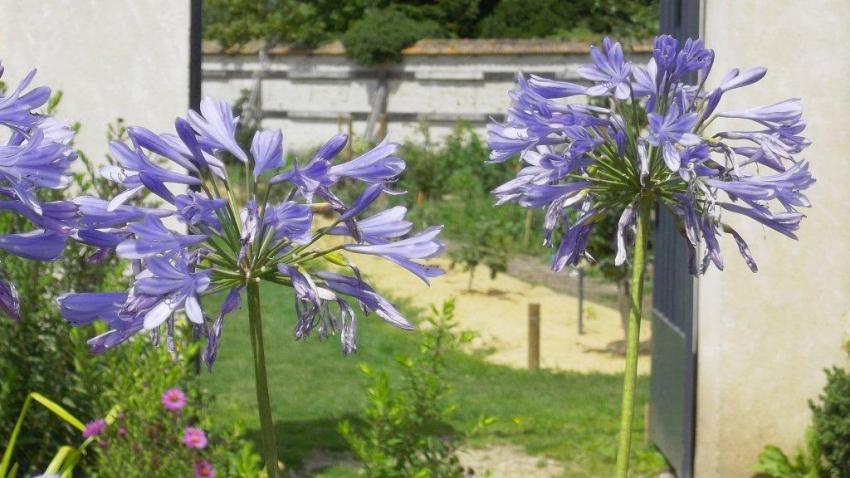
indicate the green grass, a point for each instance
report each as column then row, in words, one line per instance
column 571, row 417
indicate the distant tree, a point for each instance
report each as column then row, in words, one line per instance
column 381, row 35
column 576, row 19
column 312, row 22
column 303, row 22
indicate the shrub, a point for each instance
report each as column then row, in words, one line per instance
column 578, row 19
column 162, row 406
column 381, row 35
column 528, row 19
column 806, row 464
column 405, row 433
column 827, row 453
column 832, row 423
column 450, row 184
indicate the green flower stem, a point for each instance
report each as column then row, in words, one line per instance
column 267, row 433
column 633, row 337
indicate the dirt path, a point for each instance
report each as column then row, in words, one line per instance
column 497, row 310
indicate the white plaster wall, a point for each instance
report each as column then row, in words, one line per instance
column 111, row 58
column 765, row 338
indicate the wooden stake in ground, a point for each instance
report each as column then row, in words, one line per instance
column 533, row 336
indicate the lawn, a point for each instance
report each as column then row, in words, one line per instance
column 570, row 417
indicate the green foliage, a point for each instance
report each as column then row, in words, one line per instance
column 66, row 457
column 574, row 20
column 405, row 433
column 146, row 436
column 288, row 21
column 450, row 183
column 567, row 416
column 375, row 31
column 381, row 34
column 242, row 463
column 832, row 423
column 827, row 453
column 805, row 464
column 313, row 22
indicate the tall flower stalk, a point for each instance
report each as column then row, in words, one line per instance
column 232, row 246
column 643, row 143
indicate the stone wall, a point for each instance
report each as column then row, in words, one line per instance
column 313, row 94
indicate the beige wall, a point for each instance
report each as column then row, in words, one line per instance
column 764, row 338
column 111, row 58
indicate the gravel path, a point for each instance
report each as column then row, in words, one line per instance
column 496, row 309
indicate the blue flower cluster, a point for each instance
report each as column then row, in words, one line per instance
column 34, row 155
column 644, row 136
column 231, row 245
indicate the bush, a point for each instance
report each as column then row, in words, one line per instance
column 405, row 432
column 529, row 18
column 832, row 423
column 450, row 184
column 381, row 35
column 827, row 453
column 577, row 19
column 160, row 401
column 806, row 464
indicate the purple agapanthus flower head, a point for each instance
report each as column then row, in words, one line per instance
column 35, row 154
column 609, row 71
column 221, row 245
column 579, row 162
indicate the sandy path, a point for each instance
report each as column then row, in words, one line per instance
column 497, row 310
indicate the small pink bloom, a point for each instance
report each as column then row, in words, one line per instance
column 94, row 428
column 174, row 399
column 203, row 469
column 194, row 438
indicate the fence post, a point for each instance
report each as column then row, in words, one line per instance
column 533, row 336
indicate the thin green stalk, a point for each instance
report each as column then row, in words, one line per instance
column 633, row 337
column 267, row 432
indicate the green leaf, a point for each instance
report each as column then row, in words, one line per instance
column 57, row 461
column 45, row 402
column 337, row 259
column 58, row 410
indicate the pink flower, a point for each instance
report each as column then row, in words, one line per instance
column 174, row 399
column 203, row 469
column 94, row 428
column 194, row 438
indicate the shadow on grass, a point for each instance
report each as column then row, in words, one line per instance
column 309, row 446
column 297, row 440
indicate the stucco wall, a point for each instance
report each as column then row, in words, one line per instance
column 764, row 338
column 111, row 58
